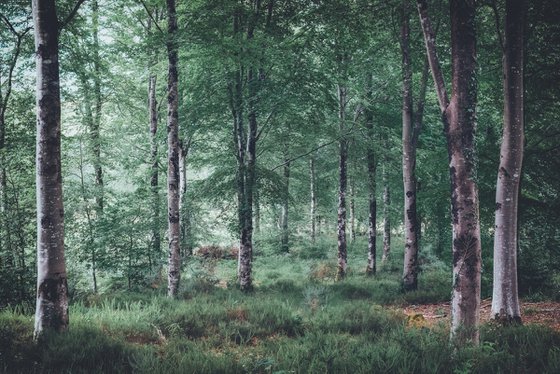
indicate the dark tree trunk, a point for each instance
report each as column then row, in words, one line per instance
column 459, row 117
column 52, row 289
column 505, row 299
column 343, row 157
column 173, row 178
column 352, row 210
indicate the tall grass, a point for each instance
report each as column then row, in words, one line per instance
column 298, row 320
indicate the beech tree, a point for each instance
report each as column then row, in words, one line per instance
column 505, row 299
column 412, row 125
column 459, row 118
column 52, row 286
column 173, row 178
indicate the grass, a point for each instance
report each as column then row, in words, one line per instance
column 298, row 320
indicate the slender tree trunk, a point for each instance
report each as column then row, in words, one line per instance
column 96, row 128
column 386, row 217
column 90, row 241
column 410, row 270
column 372, row 185
column 154, row 179
column 186, row 240
column 459, row 117
column 5, row 231
column 343, row 157
column 286, row 206
column 313, row 211
column 257, row 210
column 505, row 299
column 52, row 288
column 412, row 125
column 352, row 210
column 173, row 178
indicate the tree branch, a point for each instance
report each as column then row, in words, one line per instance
column 151, row 17
column 70, row 16
column 430, row 41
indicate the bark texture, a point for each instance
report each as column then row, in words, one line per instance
column 505, row 299
column 459, row 118
column 412, row 126
column 173, row 178
column 410, row 268
column 52, row 289
column 342, row 185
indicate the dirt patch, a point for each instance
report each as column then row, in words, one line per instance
column 545, row 313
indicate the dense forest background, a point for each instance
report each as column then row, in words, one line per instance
column 315, row 62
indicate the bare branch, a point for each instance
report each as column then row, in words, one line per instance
column 70, row 16
column 151, row 17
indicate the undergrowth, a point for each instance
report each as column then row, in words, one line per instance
column 298, row 320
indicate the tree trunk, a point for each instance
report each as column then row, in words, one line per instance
column 459, row 117
column 186, row 239
column 152, row 106
column 372, row 185
column 410, row 269
column 505, row 299
column 173, row 178
column 52, row 289
column 313, row 211
column 386, row 217
column 285, row 206
column 343, row 156
column 412, row 125
column 352, row 210
column 96, row 128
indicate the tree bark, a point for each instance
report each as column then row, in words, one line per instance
column 372, row 184
column 313, row 210
column 96, row 128
column 186, row 232
column 386, row 219
column 459, row 118
column 412, row 125
column 173, row 178
column 52, row 289
column 154, row 178
column 410, row 268
column 343, row 157
column 505, row 299
column 285, row 206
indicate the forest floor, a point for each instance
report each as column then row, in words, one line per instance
column 545, row 313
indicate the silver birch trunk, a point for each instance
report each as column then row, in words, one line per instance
column 173, row 178
column 52, row 289
column 505, row 299
column 343, row 156
column 459, row 117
